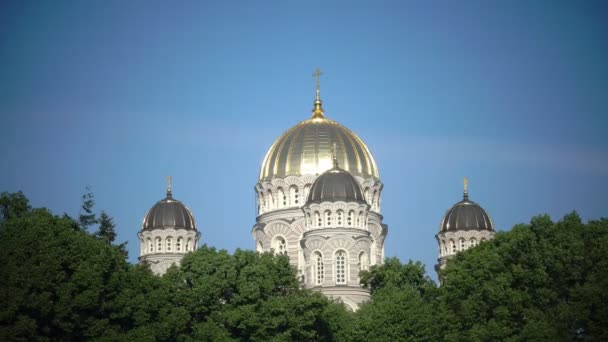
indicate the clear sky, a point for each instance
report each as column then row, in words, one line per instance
column 120, row 94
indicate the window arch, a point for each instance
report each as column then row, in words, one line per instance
column 340, row 217
column 473, row 242
column 375, row 199
column 453, row 245
column 327, row 218
column 340, row 266
column 463, row 245
column 150, row 246
column 270, row 200
column 306, row 191
column 159, row 245
column 282, row 199
column 318, row 268
column 188, row 244
column 363, row 261
column 294, row 194
column 351, row 218
column 279, row 245
column 179, row 244
column 169, row 244
column 318, row 219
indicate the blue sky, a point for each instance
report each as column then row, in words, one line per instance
column 120, row 94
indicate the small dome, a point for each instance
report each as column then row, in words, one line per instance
column 169, row 213
column 336, row 185
column 466, row 215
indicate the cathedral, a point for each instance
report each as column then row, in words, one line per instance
column 319, row 203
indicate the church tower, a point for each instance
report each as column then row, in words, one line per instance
column 291, row 166
column 464, row 225
column 167, row 233
column 337, row 243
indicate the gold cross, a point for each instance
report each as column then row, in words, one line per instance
column 317, row 75
column 465, row 181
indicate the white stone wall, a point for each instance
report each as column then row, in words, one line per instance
column 282, row 215
column 452, row 242
column 163, row 247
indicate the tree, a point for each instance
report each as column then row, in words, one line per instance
column 247, row 296
column 60, row 284
column 106, row 228
column 541, row 281
column 402, row 306
column 86, row 218
column 13, row 205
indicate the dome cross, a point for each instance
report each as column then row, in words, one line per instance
column 317, row 112
column 169, row 186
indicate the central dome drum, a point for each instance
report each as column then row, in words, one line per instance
column 306, row 149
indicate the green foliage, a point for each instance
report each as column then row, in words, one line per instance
column 395, row 274
column 106, row 228
column 13, row 205
column 403, row 304
column 86, row 218
column 541, row 281
column 60, row 284
column 247, row 296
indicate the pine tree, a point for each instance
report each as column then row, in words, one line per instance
column 106, row 228
column 87, row 216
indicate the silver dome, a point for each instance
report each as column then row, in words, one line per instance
column 169, row 213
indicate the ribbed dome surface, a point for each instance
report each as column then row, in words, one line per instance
column 169, row 213
column 306, row 149
column 335, row 185
column 466, row 215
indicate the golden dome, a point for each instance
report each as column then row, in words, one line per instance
column 306, row 149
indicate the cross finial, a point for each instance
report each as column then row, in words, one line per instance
column 169, row 186
column 465, row 183
column 334, row 154
column 317, row 112
column 317, row 75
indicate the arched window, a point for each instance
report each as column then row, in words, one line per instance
column 270, row 200
column 375, row 199
column 306, row 191
column 453, row 245
column 318, row 268
column 279, row 245
column 188, row 245
column 363, row 261
column 150, row 246
column 463, row 245
column 473, row 242
column 282, row 199
column 318, row 219
column 340, row 217
column 327, row 218
column 180, row 242
column 295, row 195
column 340, row 265
column 261, row 202
column 169, row 243
column 159, row 245
column 349, row 220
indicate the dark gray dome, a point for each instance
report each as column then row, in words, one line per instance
column 336, row 185
column 466, row 215
column 169, row 213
